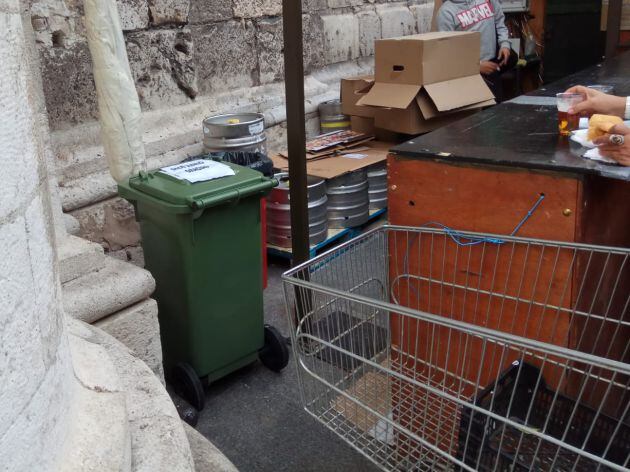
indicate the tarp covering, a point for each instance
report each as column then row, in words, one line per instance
column 119, row 108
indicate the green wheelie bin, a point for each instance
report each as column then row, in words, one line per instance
column 202, row 245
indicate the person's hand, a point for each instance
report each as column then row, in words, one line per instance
column 504, row 56
column 618, row 152
column 488, row 67
column 597, row 102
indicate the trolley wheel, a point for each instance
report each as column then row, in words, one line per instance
column 188, row 384
column 275, row 354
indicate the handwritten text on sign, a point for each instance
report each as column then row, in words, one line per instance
column 199, row 170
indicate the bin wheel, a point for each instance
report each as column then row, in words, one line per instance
column 188, row 384
column 275, row 353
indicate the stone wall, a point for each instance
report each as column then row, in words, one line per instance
column 179, row 49
column 190, row 59
column 35, row 362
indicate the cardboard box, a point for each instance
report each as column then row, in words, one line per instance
column 425, row 81
column 361, row 124
column 353, row 89
column 330, row 167
column 367, row 126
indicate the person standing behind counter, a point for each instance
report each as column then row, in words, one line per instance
column 616, row 143
column 487, row 18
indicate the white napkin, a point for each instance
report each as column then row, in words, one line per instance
column 595, row 155
column 581, row 137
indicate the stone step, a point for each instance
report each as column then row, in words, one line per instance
column 78, row 257
column 114, row 287
column 72, row 225
column 158, row 440
column 137, row 327
column 99, row 438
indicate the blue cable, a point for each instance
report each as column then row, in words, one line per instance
column 529, row 214
column 462, row 240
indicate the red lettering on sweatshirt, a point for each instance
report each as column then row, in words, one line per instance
column 474, row 15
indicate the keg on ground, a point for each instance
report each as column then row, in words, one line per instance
column 279, row 211
column 377, row 186
column 235, row 132
column 330, row 117
column 348, row 201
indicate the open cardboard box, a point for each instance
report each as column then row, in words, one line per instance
column 352, row 90
column 329, row 167
column 425, row 81
column 365, row 125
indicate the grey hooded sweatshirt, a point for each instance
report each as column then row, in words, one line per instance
column 485, row 16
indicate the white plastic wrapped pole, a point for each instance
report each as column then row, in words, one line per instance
column 118, row 105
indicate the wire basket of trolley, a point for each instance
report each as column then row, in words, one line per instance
column 427, row 349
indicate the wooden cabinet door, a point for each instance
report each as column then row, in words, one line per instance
column 489, row 285
column 482, row 199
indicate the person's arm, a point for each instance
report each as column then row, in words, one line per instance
column 445, row 21
column 503, row 34
column 601, row 103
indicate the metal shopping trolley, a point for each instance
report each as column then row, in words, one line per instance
column 429, row 349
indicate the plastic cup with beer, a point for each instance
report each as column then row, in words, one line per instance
column 567, row 122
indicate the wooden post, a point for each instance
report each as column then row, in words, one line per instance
column 613, row 27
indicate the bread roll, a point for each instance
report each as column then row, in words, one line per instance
column 599, row 125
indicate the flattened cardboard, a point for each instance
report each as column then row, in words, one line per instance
column 470, row 90
column 333, row 150
column 352, row 90
column 390, row 95
column 343, row 138
column 338, row 165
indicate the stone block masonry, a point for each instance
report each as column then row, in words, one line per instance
column 193, row 58
column 396, row 20
column 181, row 48
column 233, row 62
column 369, row 30
column 34, row 361
column 71, row 397
column 162, row 64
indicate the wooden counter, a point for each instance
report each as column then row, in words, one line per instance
column 484, row 174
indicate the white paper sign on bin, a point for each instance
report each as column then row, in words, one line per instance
column 199, row 170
